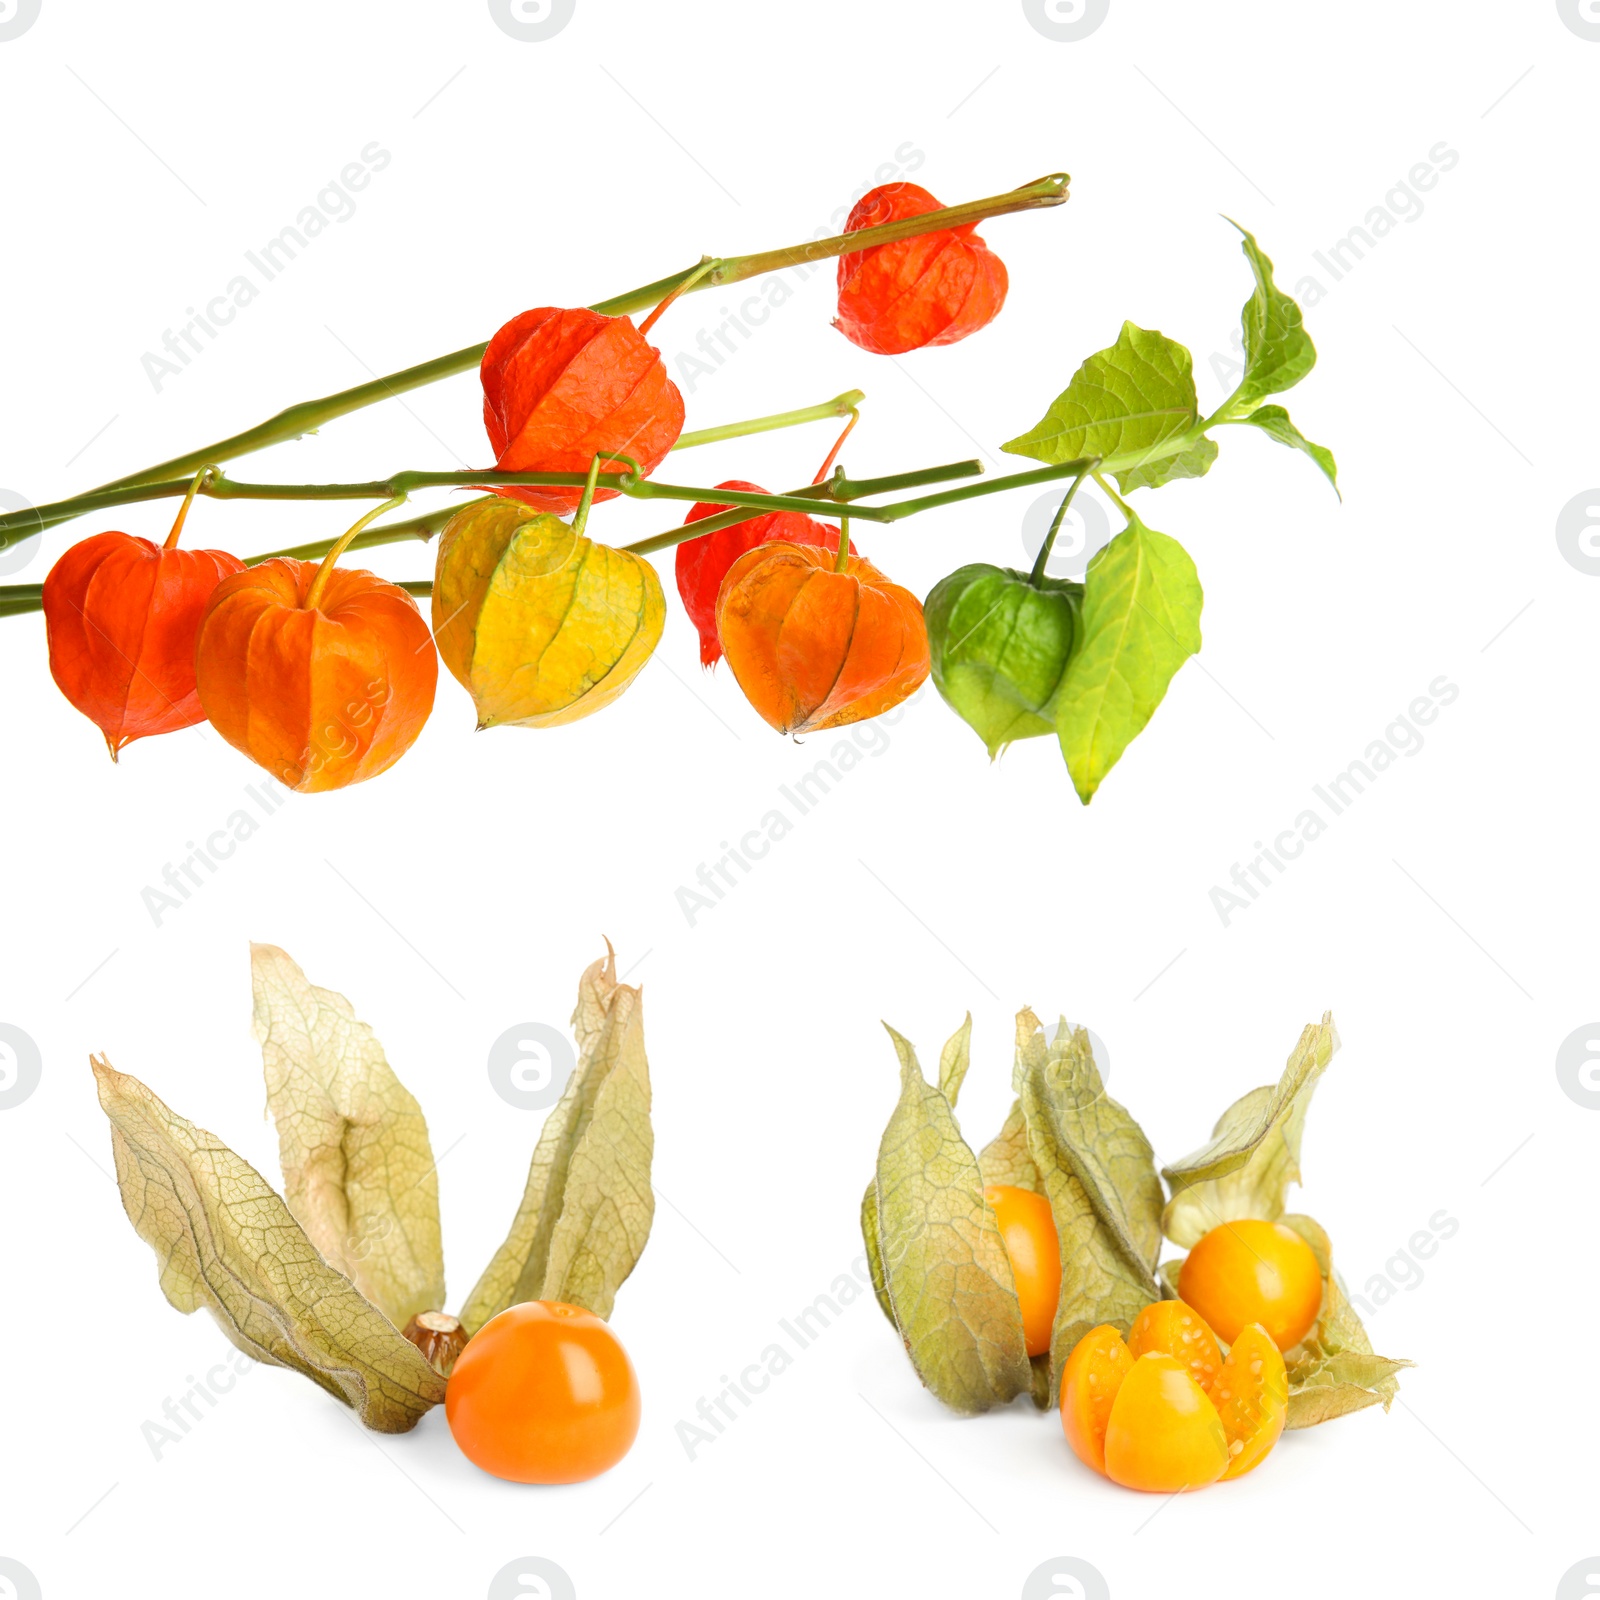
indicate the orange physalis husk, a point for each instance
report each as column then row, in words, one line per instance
column 120, row 615
column 561, row 386
column 815, row 648
column 933, row 289
column 703, row 563
column 321, row 695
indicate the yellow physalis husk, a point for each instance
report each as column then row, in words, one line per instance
column 541, row 625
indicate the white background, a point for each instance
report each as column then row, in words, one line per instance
column 1441, row 917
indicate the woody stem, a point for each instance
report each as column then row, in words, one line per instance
column 312, row 414
column 319, row 583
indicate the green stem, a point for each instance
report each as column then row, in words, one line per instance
column 580, row 518
column 1012, row 480
column 215, row 484
column 319, row 584
column 423, row 527
column 838, row 489
column 311, row 414
column 183, row 510
column 1117, row 499
column 1036, row 577
column 842, row 559
column 840, row 406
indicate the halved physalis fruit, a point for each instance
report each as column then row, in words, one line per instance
column 1163, row 1434
column 1174, row 1329
column 1251, row 1394
column 1089, row 1384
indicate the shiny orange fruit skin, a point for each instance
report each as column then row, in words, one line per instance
column 1251, row 1394
column 543, row 1393
column 1089, row 1384
column 1029, row 1232
column 1254, row 1271
column 1163, row 1434
column 320, row 697
column 814, row 648
column 120, row 617
column 1174, row 1329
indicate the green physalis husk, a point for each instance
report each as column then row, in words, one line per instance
column 941, row 1271
column 998, row 644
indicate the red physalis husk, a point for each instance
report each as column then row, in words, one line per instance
column 703, row 563
column 560, row 386
column 933, row 289
column 121, row 615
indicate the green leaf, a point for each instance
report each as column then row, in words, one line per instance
column 358, row 1170
column 587, row 1207
column 1128, row 403
column 1098, row 1174
column 948, row 1276
column 1195, row 462
column 1254, row 1151
column 1274, row 422
column 1141, row 622
column 1278, row 351
column 225, row 1241
column 1333, row 1370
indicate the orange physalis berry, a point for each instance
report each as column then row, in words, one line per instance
column 121, row 615
column 561, row 386
column 933, row 289
column 1028, row 1228
column 814, row 646
column 1251, row 1270
column 323, row 676
column 703, row 563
